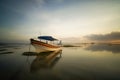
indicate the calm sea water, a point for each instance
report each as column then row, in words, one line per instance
column 88, row 62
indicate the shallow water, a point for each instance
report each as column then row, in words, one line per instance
column 89, row 62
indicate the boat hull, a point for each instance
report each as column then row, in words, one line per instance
column 44, row 47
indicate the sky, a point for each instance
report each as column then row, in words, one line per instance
column 73, row 20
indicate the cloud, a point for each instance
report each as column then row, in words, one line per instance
column 106, row 37
column 60, row 18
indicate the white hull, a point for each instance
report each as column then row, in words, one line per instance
column 40, row 48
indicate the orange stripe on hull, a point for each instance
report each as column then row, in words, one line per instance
column 43, row 44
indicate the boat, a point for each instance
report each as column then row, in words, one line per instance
column 45, row 44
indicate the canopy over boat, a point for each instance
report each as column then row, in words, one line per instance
column 49, row 38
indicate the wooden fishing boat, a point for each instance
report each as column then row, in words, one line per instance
column 44, row 44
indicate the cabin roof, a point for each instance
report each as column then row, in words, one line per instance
column 49, row 38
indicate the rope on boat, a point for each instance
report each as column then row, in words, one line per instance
column 29, row 47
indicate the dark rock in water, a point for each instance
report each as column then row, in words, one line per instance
column 68, row 45
column 30, row 53
column 36, row 54
column 6, row 52
column 17, row 48
column 3, row 49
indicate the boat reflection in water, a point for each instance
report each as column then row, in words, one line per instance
column 45, row 60
column 115, row 48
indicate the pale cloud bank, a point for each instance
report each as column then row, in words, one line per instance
column 104, row 37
